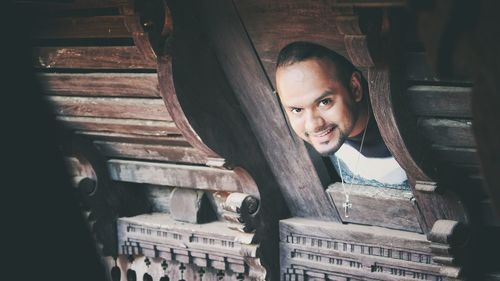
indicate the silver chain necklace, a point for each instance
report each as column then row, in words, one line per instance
column 347, row 204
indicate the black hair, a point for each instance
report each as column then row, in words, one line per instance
column 300, row 51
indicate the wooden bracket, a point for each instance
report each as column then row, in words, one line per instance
column 426, row 186
column 448, row 241
column 369, row 47
column 150, row 23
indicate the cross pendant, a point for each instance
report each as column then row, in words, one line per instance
column 347, row 205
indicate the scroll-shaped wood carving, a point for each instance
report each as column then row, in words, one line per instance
column 372, row 47
column 203, row 105
column 150, row 23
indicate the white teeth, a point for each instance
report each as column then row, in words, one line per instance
column 325, row 133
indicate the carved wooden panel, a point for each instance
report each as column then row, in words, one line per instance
column 209, row 246
column 329, row 251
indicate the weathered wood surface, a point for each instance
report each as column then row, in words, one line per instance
column 272, row 25
column 159, row 196
column 111, row 107
column 328, row 251
column 173, row 272
column 196, row 177
column 445, row 101
column 127, row 126
column 456, row 155
column 212, row 246
column 101, row 84
column 169, row 140
column 447, row 132
column 377, row 206
column 171, row 98
column 82, row 27
column 298, row 179
column 105, row 57
column 403, row 142
column 158, row 152
column 190, row 205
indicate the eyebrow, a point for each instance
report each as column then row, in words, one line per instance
column 318, row 99
column 323, row 96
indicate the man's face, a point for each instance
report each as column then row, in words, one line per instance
column 321, row 110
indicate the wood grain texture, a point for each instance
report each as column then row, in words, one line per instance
column 195, row 177
column 82, row 27
column 331, row 251
column 299, row 181
column 403, row 143
column 119, row 57
column 156, row 152
column 456, row 155
column 113, row 125
column 101, row 84
column 170, row 139
column 170, row 96
column 447, row 132
column 444, row 101
column 127, row 108
column 272, row 25
column 377, row 206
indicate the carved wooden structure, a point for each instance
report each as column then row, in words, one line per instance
column 185, row 162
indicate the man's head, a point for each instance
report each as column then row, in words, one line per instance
column 322, row 94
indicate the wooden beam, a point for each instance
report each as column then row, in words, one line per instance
column 456, row 155
column 186, row 176
column 447, row 132
column 82, row 27
column 151, row 152
column 173, row 140
column 118, row 57
column 272, row 25
column 127, row 126
column 128, row 108
column 377, row 206
column 299, row 181
column 440, row 101
column 402, row 140
column 101, row 84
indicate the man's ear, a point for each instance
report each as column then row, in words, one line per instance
column 356, row 87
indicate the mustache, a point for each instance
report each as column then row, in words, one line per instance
column 332, row 126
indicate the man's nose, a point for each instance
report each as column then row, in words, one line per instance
column 314, row 122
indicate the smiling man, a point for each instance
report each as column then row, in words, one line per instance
column 327, row 104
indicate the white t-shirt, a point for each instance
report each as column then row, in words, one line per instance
column 376, row 166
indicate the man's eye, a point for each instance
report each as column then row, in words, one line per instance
column 324, row 102
column 296, row 110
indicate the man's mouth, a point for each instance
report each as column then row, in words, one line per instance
column 323, row 133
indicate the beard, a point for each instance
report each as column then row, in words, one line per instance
column 335, row 144
column 338, row 142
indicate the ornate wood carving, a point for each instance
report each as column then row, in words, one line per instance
column 210, row 245
column 326, row 251
column 90, row 177
column 150, row 23
column 448, row 242
column 398, row 127
column 201, row 102
column 461, row 45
